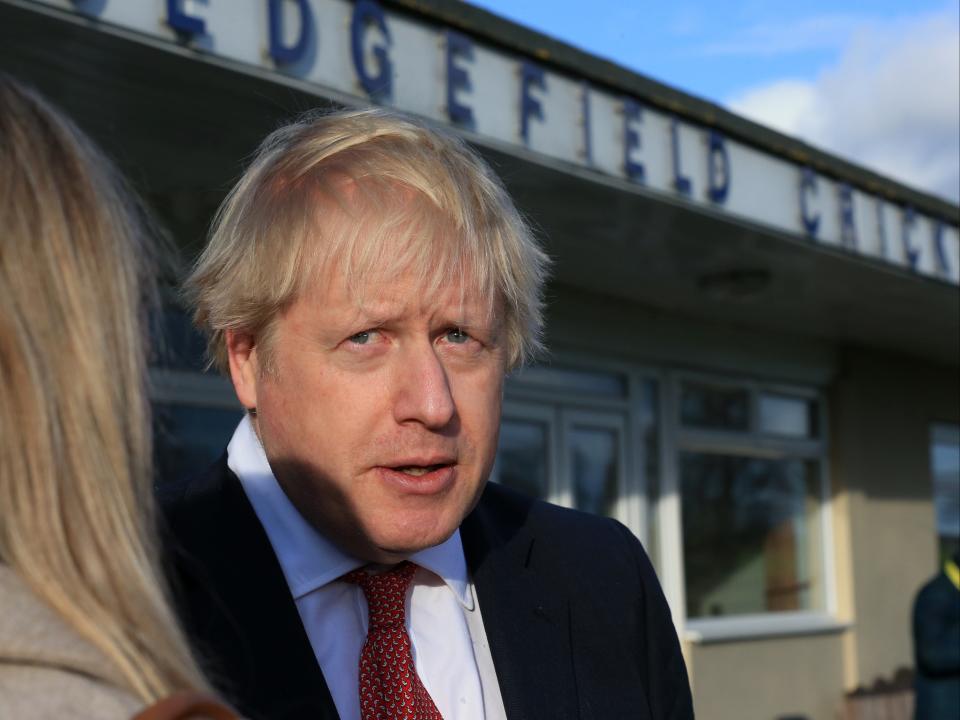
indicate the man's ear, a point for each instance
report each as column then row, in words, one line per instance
column 242, row 353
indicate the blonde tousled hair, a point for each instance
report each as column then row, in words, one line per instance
column 76, row 504
column 366, row 194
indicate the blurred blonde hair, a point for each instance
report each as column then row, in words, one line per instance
column 76, row 502
column 416, row 200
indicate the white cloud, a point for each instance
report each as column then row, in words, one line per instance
column 891, row 102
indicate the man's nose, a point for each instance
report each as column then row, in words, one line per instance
column 423, row 392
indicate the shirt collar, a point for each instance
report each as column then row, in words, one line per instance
column 308, row 559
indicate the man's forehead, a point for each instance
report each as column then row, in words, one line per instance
column 382, row 296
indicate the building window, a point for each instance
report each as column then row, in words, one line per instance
column 751, row 534
column 945, row 467
column 582, row 438
column 595, row 468
column 720, row 408
column 787, row 416
column 523, row 457
column 177, row 345
column 750, row 478
column 195, row 410
column 189, row 438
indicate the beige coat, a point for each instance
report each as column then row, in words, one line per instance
column 47, row 671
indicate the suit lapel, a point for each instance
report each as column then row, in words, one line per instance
column 240, row 606
column 527, row 621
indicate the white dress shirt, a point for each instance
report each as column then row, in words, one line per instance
column 450, row 647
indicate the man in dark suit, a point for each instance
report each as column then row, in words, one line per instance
column 936, row 644
column 367, row 285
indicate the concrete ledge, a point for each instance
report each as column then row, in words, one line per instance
column 750, row 627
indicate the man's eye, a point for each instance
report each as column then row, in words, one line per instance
column 457, row 336
column 361, row 338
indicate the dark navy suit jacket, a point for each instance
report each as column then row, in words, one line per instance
column 577, row 624
column 936, row 638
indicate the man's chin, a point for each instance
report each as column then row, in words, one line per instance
column 392, row 531
column 395, row 547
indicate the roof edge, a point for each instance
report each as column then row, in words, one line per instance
column 562, row 56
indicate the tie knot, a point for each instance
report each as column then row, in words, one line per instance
column 386, row 593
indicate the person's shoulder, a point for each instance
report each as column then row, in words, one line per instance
column 197, row 515
column 567, row 524
column 47, row 670
column 36, row 691
column 174, row 495
column 572, row 537
column 188, row 705
column 939, row 590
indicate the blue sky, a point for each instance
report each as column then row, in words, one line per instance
column 877, row 82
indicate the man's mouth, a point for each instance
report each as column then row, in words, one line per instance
column 419, row 470
column 418, row 476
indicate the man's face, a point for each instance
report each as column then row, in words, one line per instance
column 379, row 419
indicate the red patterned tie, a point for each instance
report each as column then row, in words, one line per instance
column 389, row 686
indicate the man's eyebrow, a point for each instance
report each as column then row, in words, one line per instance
column 483, row 322
column 374, row 319
column 467, row 322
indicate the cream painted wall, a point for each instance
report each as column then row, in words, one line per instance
column 882, row 408
column 769, row 678
column 615, row 329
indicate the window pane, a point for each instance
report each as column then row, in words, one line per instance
column 177, row 344
column 649, row 420
column 945, row 465
column 605, row 384
column 788, row 416
column 594, row 453
column 523, row 456
column 650, row 424
column 188, row 438
column 751, row 534
column 719, row 408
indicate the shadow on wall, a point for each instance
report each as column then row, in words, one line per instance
column 883, row 407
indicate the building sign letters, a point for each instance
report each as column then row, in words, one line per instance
column 357, row 50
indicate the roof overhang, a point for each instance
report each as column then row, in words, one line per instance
column 181, row 122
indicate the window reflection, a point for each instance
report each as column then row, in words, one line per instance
column 787, row 416
column 522, row 457
column 713, row 407
column 595, row 469
column 599, row 384
column 752, row 537
column 189, row 438
column 177, row 345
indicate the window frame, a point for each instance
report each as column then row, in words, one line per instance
column 749, row 443
column 637, row 512
column 526, row 411
column 570, row 418
column 184, row 387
